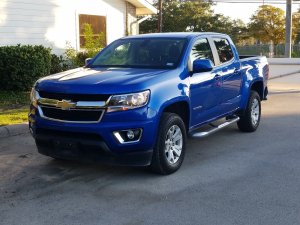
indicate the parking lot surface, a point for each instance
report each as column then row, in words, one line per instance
column 227, row 178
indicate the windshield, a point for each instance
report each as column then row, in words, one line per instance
column 142, row 52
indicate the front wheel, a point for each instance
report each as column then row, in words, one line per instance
column 169, row 150
column 249, row 121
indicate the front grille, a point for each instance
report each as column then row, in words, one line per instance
column 75, row 115
column 74, row 97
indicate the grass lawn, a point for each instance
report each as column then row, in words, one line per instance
column 14, row 107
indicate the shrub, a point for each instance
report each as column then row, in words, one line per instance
column 58, row 64
column 92, row 45
column 22, row 65
column 76, row 59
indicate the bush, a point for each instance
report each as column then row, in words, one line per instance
column 22, row 65
column 76, row 59
column 92, row 45
column 58, row 64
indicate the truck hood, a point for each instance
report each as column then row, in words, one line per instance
column 99, row 80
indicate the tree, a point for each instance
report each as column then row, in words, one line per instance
column 236, row 29
column 268, row 24
column 181, row 16
column 195, row 16
column 296, row 27
column 93, row 43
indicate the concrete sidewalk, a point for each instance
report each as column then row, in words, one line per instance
column 274, row 76
column 280, row 67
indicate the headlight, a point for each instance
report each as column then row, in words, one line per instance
column 128, row 101
column 34, row 96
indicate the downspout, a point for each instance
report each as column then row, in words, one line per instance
column 138, row 22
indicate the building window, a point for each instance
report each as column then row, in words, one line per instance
column 98, row 24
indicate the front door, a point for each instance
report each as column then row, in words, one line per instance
column 205, row 87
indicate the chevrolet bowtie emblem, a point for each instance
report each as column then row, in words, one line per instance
column 65, row 104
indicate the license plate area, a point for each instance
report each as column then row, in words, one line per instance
column 65, row 147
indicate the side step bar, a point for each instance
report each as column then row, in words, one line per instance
column 215, row 129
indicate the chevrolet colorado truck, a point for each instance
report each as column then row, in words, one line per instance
column 137, row 101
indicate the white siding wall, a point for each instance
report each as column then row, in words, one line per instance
column 52, row 23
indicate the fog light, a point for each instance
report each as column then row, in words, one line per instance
column 128, row 136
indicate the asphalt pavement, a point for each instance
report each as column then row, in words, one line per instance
column 228, row 178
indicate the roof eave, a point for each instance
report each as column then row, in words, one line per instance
column 143, row 7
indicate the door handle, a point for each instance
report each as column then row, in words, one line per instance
column 236, row 71
column 218, row 81
column 217, row 77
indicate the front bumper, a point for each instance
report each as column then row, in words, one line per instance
column 86, row 148
column 95, row 142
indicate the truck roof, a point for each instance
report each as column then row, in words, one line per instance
column 173, row 35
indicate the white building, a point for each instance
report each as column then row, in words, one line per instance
column 53, row 23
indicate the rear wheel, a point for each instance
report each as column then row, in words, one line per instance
column 169, row 150
column 249, row 121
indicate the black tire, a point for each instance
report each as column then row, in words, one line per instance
column 246, row 123
column 161, row 162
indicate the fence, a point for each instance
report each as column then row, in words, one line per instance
column 266, row 50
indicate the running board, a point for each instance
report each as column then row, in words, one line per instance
column 215, row 129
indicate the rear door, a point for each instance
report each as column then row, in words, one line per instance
column 229, row 69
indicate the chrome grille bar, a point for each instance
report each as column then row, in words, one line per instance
column 66, row 104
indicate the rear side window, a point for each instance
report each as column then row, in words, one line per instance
column 201, row 50
column 224, row 49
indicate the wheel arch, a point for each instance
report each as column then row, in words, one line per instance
column 258, row 86
column 181, row 107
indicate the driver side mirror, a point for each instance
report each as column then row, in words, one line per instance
column 87, row 61
column 202, row 65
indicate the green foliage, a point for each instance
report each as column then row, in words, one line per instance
column 22, row 65
column 58, row 64
column 181, row 16
column 14, row 116
column 93, row 43
column 13, row 99
column 296, row 27
column 268, row 24
column 195, row 16
column 14, row 107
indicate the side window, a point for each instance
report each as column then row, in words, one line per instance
column 224, row 49
column 201, row 50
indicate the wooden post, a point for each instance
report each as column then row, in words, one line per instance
column 159, row 25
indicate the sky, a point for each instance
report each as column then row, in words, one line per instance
column 244, row 11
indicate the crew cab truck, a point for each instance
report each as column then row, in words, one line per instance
column 137, row 101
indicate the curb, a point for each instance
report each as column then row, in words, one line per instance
column 284, row 75
column 13, row 130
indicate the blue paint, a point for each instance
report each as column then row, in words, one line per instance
column 209, row 95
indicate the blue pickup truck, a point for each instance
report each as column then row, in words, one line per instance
column 138, row 100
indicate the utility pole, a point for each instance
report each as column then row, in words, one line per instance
column 288, row 29
column 159, row 24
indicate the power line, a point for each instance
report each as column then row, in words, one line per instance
column 253, row 1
